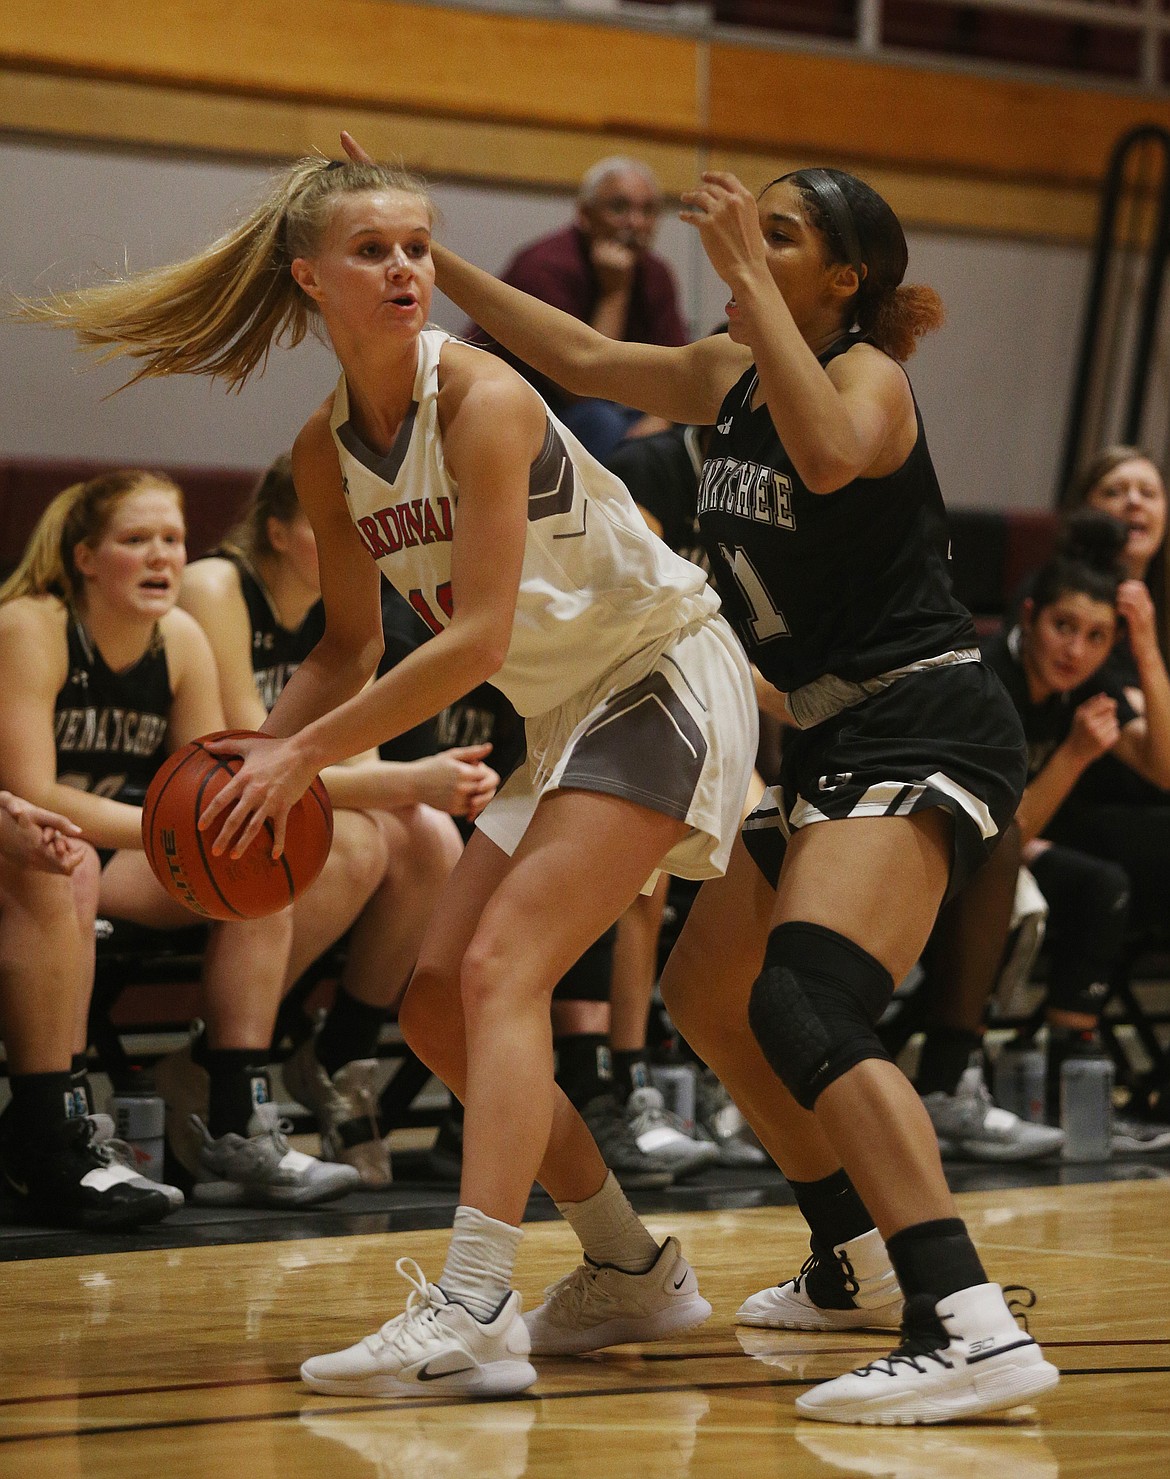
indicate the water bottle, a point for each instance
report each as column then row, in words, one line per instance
column 139, row 1116
column 676, row 1083
column 1086, row 1108
column 1019, row 1081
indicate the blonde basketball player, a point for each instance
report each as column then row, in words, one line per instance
column 531, row 564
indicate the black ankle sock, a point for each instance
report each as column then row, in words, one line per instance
column 946, row 1052
column 629, row 1071
column 936, row 1258
column 351, row 1031
column 41, row 1103
column 82, row 1088
column 832, row 1208
column 239, row 1082
column 584, row 1066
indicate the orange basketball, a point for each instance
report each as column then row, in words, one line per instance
column 225, row 887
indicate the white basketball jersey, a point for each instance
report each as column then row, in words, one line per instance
column 596, row 585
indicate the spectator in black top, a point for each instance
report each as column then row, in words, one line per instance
column 54, row 1168
column 1055, row 666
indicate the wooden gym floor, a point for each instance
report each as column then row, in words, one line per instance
column 181, row 1361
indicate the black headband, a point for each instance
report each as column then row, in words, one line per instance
column 832, row 200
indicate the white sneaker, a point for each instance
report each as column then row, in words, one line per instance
column 118, row 1152
column 435, row 1347
column 861, row 1279
column 660, row 1134
column 971, row 1126
column 719, row 1120
column 261, row 1169
column 963, row 1355
column 1139, row 1137
column 599, row 1305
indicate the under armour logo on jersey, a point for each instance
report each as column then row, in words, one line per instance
column 831, row 782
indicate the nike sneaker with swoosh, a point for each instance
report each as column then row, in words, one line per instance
column 436, row 1347
column 599, row 1305
column 68, row 1180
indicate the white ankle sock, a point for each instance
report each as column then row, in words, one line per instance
column 609, row 1230
column 480, row 1257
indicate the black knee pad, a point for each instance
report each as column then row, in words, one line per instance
column 814, row 1006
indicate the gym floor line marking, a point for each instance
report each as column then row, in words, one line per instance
column 113, row 1393
column 179, row 1386
column 399, row 1405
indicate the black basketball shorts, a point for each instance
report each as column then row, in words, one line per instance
column 945, row 736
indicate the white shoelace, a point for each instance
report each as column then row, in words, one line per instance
column 409, row 1333
column 573, row 1295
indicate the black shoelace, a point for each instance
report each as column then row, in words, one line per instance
column 806, row 1268
column 924, row 1338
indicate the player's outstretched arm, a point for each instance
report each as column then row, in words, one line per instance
column 685, row 384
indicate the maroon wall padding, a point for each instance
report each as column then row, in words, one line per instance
column 1031, row 542
column 213, row 498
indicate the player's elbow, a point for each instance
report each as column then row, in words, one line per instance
column 491, row 655
column 826, row 472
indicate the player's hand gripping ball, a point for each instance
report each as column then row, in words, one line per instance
column 225, row 887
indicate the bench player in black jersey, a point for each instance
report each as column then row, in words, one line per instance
column 102, row 677
column 54, row 1169
column 822, row 517
column 258, row 598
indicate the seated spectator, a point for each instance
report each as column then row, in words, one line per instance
column 601, row 270
column 102, row 676
column 1075, row 708
column 54, row 1168
column 258, row 599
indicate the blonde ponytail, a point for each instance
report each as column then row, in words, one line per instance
column 219, row 312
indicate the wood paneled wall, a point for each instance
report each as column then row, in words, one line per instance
column 533, row 100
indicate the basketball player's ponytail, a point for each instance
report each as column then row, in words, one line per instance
column 898, row 318
column 78, row 515
column 219, row 312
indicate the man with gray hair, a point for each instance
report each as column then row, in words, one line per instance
column 600, row 268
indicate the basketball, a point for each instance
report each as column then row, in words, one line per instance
column 225, row 887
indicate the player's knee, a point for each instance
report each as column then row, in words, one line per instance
column 486, row 978
column 421, row 847
column 814, row 1006
column 357, row 860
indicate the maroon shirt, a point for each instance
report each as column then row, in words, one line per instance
column 557, row 270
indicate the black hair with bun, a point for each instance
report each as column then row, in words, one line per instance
column 1087, row 560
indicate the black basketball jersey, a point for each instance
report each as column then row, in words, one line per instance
column 111, row 728
column 277, row 650
column 1048, row 723
column 853, row 583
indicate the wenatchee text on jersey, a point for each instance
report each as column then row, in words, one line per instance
column 403, row 525
column 108, row 731
column 748, row 490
